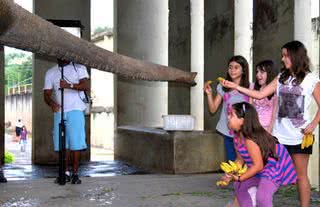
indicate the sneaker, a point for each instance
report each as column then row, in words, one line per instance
column 75, row 179
column 68, row 179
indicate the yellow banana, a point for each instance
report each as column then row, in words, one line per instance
column 310, row 140
column 303, row 144
column 226, row 167
column 307, row 141
column 222, row 183
column 209, row 82
column 220, row 79
column 234, row 166
column 242, row 170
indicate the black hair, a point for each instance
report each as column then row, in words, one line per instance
column 245, row 71
column 252, row 129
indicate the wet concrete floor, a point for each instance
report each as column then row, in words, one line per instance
column 22, row 169
column 91, row 169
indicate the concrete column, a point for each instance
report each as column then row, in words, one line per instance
column 142, row 33
column 303, row 33
column 42, row 150
column 218, row 46
column 2, row 141
column 197, row 61
column 243, row 17
column 179, row 54
column 273, row 25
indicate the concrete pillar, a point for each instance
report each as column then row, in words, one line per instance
column 179, row 54
column 218, row 46
column 243, row 17
column 303, row 33
column 42, row 150
column 272, row 27
column 197, row 61
column 2, row 94
column 142, row 33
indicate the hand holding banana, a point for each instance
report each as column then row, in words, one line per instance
column 307, row 141
column 231, row 167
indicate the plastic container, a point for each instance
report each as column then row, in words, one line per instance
column 178, row 122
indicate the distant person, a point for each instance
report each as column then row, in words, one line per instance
column 75, row 82
column 19, row 126
column 23, row 139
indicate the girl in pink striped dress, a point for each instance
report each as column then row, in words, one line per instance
column 269, row 163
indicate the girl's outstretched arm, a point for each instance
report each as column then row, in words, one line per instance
column 274, row 113
column 316, row 94
column 268, row 90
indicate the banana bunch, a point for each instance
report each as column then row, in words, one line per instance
column 307, row 141
column 231, row 167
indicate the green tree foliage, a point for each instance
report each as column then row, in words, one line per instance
column 18, row 69
column 102, row 29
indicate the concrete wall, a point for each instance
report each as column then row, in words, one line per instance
column 42, row 151
column 272, row 27
column 2, row 141
column 218, row 46
column 19, row 106
column 179, row 54
column 142, row 33
column 177, row 152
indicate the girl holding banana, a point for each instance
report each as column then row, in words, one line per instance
column 237, row 72
column 295, row 88
column 269, row 163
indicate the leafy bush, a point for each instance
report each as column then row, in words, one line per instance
column 8, row 157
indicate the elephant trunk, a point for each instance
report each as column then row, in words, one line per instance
column 23, row 30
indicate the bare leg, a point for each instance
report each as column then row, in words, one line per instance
column 301, row 164
column 235, row 203
column 67, row 160
column 75, row 155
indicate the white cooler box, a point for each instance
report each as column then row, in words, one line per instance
column 178, row 122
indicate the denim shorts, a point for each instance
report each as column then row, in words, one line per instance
column 75, row 130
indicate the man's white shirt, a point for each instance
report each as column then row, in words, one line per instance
column 73, row 99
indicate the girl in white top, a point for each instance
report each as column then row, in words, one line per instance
column 295, row 86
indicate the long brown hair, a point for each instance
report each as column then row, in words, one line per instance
column 268, row 67
column 244, row 82
column 252, row 129
column 299, row 60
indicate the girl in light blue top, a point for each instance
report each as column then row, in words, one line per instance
column 238, row 72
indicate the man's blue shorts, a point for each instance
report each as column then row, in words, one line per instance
column 75, row 130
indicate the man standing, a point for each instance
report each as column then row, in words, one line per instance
column 75, row 82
